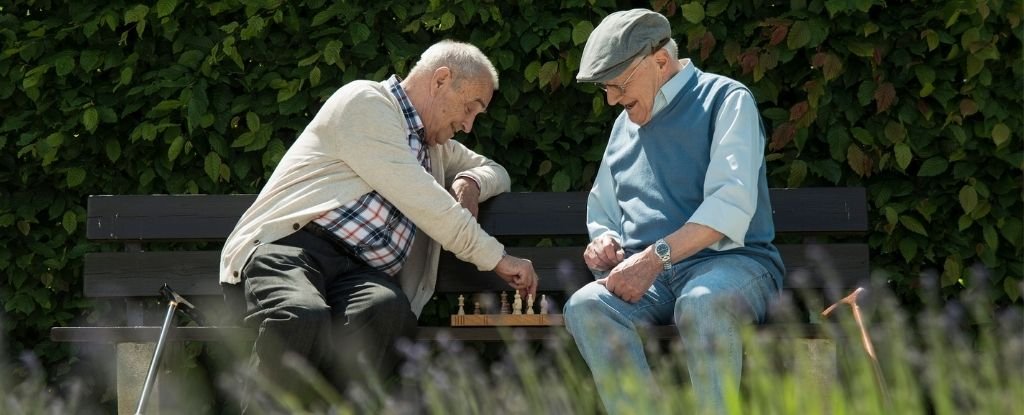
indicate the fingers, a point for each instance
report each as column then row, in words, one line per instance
column 603, row 254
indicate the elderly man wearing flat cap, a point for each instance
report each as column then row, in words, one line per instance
column 679, row 218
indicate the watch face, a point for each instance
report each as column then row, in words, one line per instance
column 661, row 248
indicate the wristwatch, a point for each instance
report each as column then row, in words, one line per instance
column 664, row 253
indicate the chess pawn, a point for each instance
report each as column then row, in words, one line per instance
column 476, row 307
column 462, row 302
column 543, row 304
column 529, row 304
column 517, row 304
column 504, row 303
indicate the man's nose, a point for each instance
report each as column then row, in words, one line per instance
column 613, row 96
column 467, row 125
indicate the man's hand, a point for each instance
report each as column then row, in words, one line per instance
column 633, row 277
column 519, row 274
column 603, row 253
column 467, row 193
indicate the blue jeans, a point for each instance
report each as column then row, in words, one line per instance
column 707, row 299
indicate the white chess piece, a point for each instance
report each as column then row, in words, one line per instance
column 543, row 304
column 517, row 304
column 529, row 304
column 462, row 303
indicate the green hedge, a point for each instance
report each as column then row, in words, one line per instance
column 918, row 101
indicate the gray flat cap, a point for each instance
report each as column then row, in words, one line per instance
column 620, row 37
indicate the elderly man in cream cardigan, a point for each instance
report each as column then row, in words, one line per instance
column 338, row 254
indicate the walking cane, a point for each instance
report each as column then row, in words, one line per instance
column 175, row 302
column 864, row 337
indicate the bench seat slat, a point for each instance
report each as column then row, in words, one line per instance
column 150, row 334
column 140, row 274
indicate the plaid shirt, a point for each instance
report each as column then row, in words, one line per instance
column 371, row 226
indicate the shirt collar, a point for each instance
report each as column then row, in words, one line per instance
column 671, row 88
column 412, row 117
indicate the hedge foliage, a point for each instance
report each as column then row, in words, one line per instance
column 918, row 101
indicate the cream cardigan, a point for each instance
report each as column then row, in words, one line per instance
column 357, row 143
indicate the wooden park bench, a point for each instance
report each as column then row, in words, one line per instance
column 150, row 240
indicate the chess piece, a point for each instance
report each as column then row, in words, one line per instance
column 529, row 304
column 504, row 303
column 462, row 302
column 517, row 304
column 543, row 304
column 476, row 307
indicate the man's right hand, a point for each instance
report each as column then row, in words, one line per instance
column 519, row 274
column 603, row 253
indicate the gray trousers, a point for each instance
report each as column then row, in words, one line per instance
column 309, row 298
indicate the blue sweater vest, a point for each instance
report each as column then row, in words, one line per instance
column 659, row 170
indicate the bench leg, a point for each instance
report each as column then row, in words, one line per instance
column 133, row 361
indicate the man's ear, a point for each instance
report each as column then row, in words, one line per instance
column 442, row 76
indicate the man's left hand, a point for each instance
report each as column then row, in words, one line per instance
column 467, row 193
column 633, row 277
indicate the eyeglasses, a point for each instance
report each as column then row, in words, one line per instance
column 621, row 89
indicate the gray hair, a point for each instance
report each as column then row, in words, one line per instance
column 465, row 60
column 672, row 48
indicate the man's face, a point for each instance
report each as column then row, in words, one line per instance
column 455, row 108
column 635, row 89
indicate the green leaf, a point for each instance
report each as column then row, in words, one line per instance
column 90, row 119
column 925, row 74
column 952, row 271
column 165, row 7
column 70, row 222
column 799, row 35
column 252, row 120
column 545, row 167
column 908, row 247
column 531, row 71
column 1000, row 134
column 933, row 167
column 797, row 173
column 359, row 32
column 1012, row 288
column 912, row 224
column 991, row 237
column 903, row 155
column 314, row 76
column 447, row 21
column 24, row 227
column 968, row 198
column 693, row 12
column 560, row 182
column 864, row 50
column 211, row 165
column 895, row 132
column 716, row 7
column 113, row 149
column 176, row 145
column 548, row 73
column 864, row 136
column 332, row 52
column 581, row 32
column 136, row 14
column 75, row 176
column 64, row 64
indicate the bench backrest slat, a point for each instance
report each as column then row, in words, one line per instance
column 212, row 217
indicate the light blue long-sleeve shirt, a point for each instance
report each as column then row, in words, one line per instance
column 731, row 180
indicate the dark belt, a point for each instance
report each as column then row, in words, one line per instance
column 327, row 236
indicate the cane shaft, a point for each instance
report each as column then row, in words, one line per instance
column 154, row 366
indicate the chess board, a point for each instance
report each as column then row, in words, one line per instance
column 467, row 320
